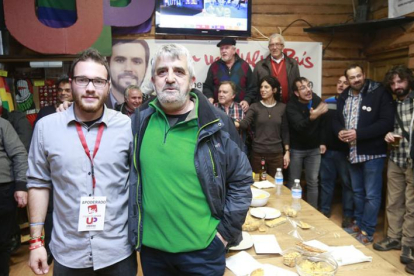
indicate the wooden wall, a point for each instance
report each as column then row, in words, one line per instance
column 341, row 49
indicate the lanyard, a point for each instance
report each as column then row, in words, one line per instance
column 95, row 150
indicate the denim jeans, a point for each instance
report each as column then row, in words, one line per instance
column 310, row 160
column 366, row 178
column 334, row 163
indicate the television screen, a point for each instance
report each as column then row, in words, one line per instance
column 203, row 17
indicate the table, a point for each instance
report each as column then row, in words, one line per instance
column 335, row 236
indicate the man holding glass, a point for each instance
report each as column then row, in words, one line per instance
column 365, row 113
column 90, row 235
column 400, row 184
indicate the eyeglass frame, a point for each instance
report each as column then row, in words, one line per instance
column 277, row 45
column 89, row 81
column 304, row 87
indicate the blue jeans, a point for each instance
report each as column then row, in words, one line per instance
column 209, row 261
column 310, row 160
column 367, row 186
column 334, row 163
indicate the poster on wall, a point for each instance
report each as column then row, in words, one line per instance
column 400, row 7
column 130, row 60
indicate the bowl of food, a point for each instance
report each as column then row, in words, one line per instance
column 259, row 198
column 320, row 265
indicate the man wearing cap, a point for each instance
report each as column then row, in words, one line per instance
column 277, row 64
column 230, row 68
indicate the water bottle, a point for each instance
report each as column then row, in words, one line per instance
column 296, row 195
column 279, row 181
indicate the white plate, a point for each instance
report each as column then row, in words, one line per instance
column 246, row 243
column 265, row 212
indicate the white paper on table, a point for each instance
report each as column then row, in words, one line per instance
column 266, row 244
column 264, row 184
column 242, row 263
column 318, row 244
column 346, row 255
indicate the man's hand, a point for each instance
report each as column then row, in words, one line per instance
column 211, row 100
column 389, row 138
column 286, row 159
column 320, row 110
column 347, row 136
column 222, row 239
column 245, row 106
column 63, row 106
column 21, row 198
column 322, row 149
column 38, row 261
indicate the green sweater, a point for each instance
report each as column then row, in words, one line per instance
column 176, row 215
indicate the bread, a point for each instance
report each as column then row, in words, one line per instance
column 304, row 225
column 290, row 258
column 251, row 224
column 309, row 248
column 258, row 272
column 275, row 222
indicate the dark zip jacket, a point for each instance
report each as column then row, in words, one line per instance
column 222, row 168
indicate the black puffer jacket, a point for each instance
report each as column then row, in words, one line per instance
column 222, row 169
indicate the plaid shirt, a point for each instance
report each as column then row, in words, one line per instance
column 351, row 116
column 405, row 109
column 236, row 113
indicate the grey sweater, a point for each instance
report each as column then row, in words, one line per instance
column 13, row 157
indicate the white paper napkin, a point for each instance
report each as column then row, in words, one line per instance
column 242, row 263
column 264, row 184
column 346, row 255
column 266, row 244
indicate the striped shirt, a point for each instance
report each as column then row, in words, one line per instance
column 405, row 110
column 351, row 116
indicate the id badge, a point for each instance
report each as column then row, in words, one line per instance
column 92, row 213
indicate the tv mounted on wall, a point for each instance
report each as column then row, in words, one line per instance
column 203, row 17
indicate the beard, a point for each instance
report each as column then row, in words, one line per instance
column 172, row 99
column 90, row 107
column 401, row 92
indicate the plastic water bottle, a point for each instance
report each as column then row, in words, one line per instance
column 279, row 181
column 296, row 195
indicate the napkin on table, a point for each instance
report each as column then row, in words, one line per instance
column 264, row 184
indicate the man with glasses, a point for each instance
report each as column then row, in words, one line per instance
column 365, row 113
column 230, row 68
column 277, row 64
column 90, row 235
column 305, row 111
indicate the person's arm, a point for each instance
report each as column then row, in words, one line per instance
column 208, row 85
column 248, row 119
column 286, row 140
column 39, row 183
column 238, row 197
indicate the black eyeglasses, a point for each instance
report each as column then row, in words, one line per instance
column 84, row 81
column 304, row 87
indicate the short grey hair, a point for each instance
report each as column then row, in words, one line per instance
column 131, row 87
column 277, row 36
column 174, row 51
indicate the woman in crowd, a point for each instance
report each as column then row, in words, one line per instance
column 271, row 130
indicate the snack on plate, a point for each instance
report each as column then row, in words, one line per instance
column 260, row 196
column 315, row 268
column 304, row 225
column 275, row 222
column 251, row 224
column 309, row 248
column 290, row 212
column 290, row 258
column 258, row 272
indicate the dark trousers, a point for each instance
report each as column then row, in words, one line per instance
column 207, row 262
column 126, row 267
column 7, row 220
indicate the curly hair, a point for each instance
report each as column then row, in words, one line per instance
column 403, row 72
column 274, row 83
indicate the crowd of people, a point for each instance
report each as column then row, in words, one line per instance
column 173, row 180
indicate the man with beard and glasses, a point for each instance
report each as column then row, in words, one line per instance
column 400, row 185
column 230, row 67
column 89, row 175
column 365, row 113
column 128, row 64
column 190, row 183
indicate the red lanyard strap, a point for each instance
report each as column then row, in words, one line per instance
column 95, row 150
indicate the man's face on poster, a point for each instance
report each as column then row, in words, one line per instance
column 127, row 65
